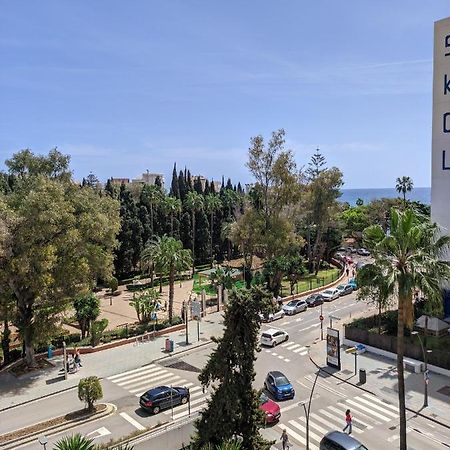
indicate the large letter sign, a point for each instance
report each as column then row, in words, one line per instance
column 440, row 156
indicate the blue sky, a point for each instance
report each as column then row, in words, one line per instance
column 128, row 86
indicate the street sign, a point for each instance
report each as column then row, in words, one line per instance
column 321, row 317
column 153, row 316
column 196, row 308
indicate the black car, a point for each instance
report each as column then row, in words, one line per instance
column 163, row 397
column 314, row 300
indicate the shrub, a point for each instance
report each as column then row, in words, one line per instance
column 97, row 329
column 75, row 442
column 113, row 284
column 89, row 391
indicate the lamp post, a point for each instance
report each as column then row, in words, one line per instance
column 43, row 441
column 308, row 411
column 425, row 368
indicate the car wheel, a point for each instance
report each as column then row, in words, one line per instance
column 287, row 337
column 274, row 343
column 156, row 409
column 184, row 400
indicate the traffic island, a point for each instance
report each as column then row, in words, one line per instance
column 54, row 425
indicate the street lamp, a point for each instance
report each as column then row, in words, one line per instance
column 308, row 411
column 43, row 441
column 425, row 368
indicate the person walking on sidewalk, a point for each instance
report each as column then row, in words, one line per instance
column 348, row 421
column 285, row 440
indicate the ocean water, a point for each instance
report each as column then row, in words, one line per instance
column 420, row 194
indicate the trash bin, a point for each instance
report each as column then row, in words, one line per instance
column 50, row 352
column 362, row 376
column 169, row 345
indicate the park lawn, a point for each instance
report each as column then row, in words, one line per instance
column 311, row 281
column 307, row 282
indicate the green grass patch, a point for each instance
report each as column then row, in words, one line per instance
column 311, row 281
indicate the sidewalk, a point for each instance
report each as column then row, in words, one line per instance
column 382, row 381
column 17, row 390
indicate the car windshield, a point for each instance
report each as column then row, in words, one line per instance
column 362, row 447
column 263, row 399
column 327, row 292
column 267, row 336
column 280, row 381
column 341, row 286
column 292, row 303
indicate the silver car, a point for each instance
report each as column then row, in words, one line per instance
column 273, row 316
column 330, row 295
column 295, row 306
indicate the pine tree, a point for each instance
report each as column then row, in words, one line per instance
column 316, row 165
column 174, row 188
column 234, row 380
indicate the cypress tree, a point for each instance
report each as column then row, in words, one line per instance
column 202, row 237
column 239, row 188
column 234, row 379
column 229, row 184
column 207, row 190
column 189, row 181
column 198, row 186
column 182, row 186
column 109, row 188
column 212, row 187
column 174, row 188
column 222, row 186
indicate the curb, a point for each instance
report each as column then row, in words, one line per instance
column 69, row 388
column 418, row 413
column 110, row 409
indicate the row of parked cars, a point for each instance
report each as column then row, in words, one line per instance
column 300, row 305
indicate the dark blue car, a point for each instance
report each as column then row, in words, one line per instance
column 163, row 397
column 279, row 386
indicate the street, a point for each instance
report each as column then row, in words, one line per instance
column 375, row 417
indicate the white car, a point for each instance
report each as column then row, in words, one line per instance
column 295, row 306
column 330, row 295
column 273, row 337
column 273, row 316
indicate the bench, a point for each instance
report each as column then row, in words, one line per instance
column 412, row 365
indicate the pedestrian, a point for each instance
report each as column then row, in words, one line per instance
column 348, row 421
column 346, row 271
column 77, row 358
column 285, row 440
column 280, row 301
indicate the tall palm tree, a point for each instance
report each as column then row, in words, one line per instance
column 212, row 204
column 410, row 257
column 153, row 196
column 172, row 206
column 194, row 202
column 225, row 235
column 170, row 256
column 404, row 185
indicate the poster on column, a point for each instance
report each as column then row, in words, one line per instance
column 333, row 348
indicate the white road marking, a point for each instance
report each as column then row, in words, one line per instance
column 293, row 434
column 311, row 326
column 280, row 356
column 381, row 402
column 166, row 377
column 300, row 427
column 100, row 432
column 301, row 349
column 285, row 344
column 274, row 354
column 357, row 414
column 140, row 369
column 287, row 360
column 378, row 407
column 133, row 422
column 334, row 418
column 292, row 346
column 365, row 408
column 140, row 376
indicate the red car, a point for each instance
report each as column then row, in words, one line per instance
column 270, row 408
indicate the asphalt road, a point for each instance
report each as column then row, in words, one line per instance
column 375, row 419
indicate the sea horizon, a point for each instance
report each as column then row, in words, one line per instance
column 420, row 194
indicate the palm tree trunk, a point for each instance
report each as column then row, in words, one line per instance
column 171, row 224
column 151, row 220
column 211, row 240
column 400, row 373
column 171, row 291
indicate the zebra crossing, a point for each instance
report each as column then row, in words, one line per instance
column 298, row 349
column 138, row 381
column 367, row 411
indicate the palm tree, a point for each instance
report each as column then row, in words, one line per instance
column 153, row 196
column 194, row 202
column 410, row 258
column 75, row 442
column 404, row 185
column 225, row 235
column 170, row 256
column 212, row 204
column 172, row 206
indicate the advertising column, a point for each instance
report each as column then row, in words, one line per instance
column 440, row 159
column 333, row 349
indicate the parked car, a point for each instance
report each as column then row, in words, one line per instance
column 329, row 295
column 345, row 289
column 352, row 282
column 363, row 252
column 314, row 300
column 279, row 386
column 271, row 409
column 336, row 440
column 163, row 397
column 353, row 250
column 273, row 316
column 295, row 306
column 273, row 337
